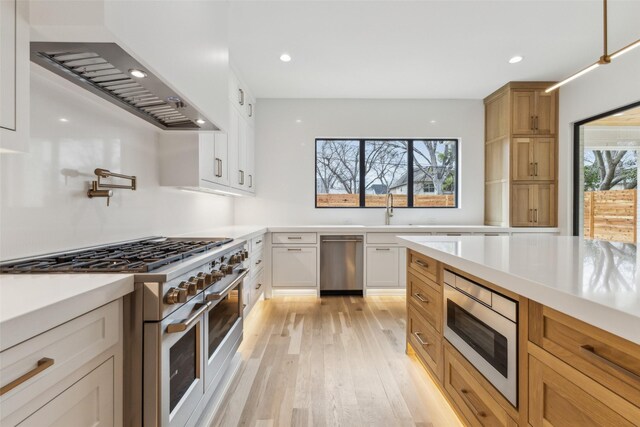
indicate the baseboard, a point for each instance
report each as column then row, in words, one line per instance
column 294, row 292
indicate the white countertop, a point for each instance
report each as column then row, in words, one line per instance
column 407, row 229
column 236, row 232
column 595, row 281
column 33, row 303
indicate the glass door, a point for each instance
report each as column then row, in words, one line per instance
column 606, row 175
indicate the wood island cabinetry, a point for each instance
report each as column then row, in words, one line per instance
column 570, row 373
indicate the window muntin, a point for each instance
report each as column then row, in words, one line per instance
column 360, row 173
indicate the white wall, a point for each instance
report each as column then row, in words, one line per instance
column 43, row 202
column 285, row 156
column 603, row 89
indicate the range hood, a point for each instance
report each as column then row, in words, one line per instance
column 110, row 72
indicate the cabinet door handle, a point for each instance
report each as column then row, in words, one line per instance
column 241, row 177
column 530, row 217
column 531, row 124
column 418, row 336
column 421, row 263
column 464, row 394
column 218, row 170
column 536, row 214
column 250, row 181
column 530, row 169
column 590, row 352
column 420, row 298
column 42, row 365
column 536, row 123
column 241, row 96
column 250, row 110
column 535, row 169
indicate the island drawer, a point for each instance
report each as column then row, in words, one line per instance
column 426, row 299
column 561, row 396
column 470, row 396
column 34, row 365
column 257, row 243
column 293, row 238
column 424, row 265
column 610, row 360
column 425, row 341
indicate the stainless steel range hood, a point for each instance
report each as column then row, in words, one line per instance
column 108, row 71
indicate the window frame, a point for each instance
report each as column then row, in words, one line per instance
column 410, row 182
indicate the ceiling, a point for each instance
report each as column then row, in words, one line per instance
column 418, row 49
column 629, row 117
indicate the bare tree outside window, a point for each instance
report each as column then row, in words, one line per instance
column 345, row 168
column 610, row 169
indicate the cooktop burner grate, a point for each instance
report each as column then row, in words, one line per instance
column 135, row 257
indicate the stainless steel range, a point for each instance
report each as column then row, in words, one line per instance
column 183, row 323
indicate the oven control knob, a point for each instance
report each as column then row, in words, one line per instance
column 245, row 253
column 175, row 295
column 234, row 259
column 208, row 279
column 190, row 287
column 217, row 275
column 223, row 270
column 228, row 269
column 200, row 282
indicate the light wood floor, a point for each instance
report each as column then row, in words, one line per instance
column 338, row 361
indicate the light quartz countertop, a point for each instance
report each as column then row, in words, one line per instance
column 34, row 303
column 595, row 281
column 236, row 232
column 406, row 229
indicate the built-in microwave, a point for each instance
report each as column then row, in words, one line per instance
column 483, row 326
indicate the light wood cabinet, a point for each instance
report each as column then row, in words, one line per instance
column 426, row 297
column 533, row 205
column 533, row 159
column 521, row 147
column 559, row 395
column 425, row 340
column 383, row 267
column 533, row 112
column 294, row 267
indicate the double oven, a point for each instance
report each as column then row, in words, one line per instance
column 483, row 325
column 187, row 352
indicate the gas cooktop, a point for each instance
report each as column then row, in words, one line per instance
column 139, row 256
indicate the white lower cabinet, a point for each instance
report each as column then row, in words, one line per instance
column 294, row 267
column 70, row 375
column 383, row 267
column 88, row 402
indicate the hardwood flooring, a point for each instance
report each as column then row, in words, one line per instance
column 335, row 361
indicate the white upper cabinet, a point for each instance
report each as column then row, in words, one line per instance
column 185, row 43
column 14, row 76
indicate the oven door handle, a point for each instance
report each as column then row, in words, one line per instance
column 214, row 296
column 182, row 326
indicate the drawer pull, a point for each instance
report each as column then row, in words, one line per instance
column 258, row 242
column 383, row 249
column 465, row 394
column 420, row 298
column 43, row 364
column 422, row 263
column 294, row 250
column 295, row 238
column 182, row 326
column 418, row 336
column 259, row 286
column 590, row 352
column 258, row 262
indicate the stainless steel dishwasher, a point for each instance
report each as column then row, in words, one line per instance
column 341, row 261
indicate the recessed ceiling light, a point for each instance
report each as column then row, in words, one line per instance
column 200, row 121
column 285, row 57
column 515, row 59
column 433, row 122
column 298, row 121
column 137, row 73
column 63, row 120
column 618, row 114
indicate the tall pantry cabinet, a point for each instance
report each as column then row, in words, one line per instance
column 521, row 147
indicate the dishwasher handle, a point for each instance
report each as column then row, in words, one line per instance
column 340, row 241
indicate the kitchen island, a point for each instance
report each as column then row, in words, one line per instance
column 572, row 356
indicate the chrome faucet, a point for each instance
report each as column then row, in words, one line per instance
column 389, row 209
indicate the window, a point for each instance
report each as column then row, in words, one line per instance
column 360, row 173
